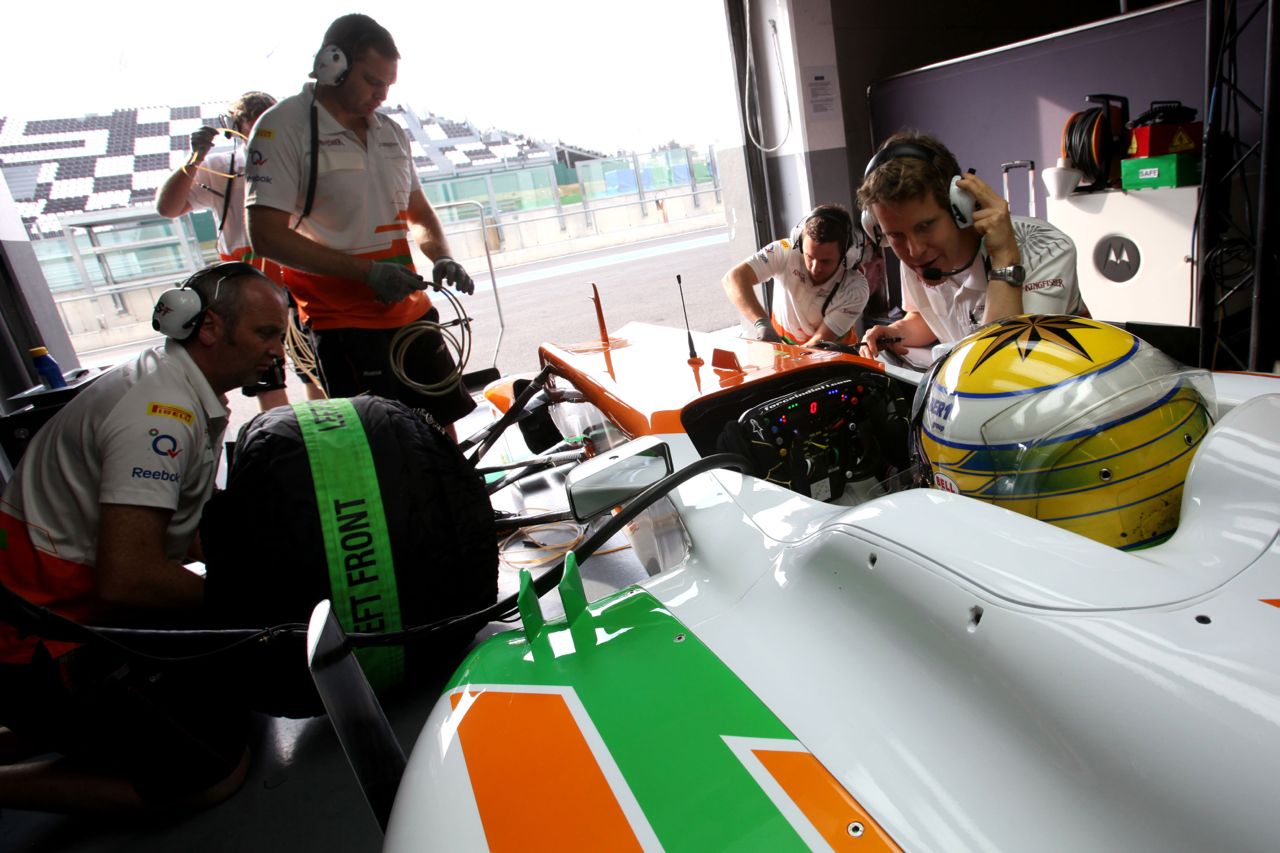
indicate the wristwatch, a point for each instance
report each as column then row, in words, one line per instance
column 1014, row 275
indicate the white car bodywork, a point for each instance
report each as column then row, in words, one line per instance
column 980, row 680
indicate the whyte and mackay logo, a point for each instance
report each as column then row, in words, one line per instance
column 1117, row 258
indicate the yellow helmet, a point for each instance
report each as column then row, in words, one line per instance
column 1068, row 420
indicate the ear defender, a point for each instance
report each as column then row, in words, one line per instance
column 180, row 310
column 871, row 227
column 830, row 214
column 962, row 203
column 178, row 313
column 331, row 66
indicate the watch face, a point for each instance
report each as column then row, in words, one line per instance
column 1013, row 275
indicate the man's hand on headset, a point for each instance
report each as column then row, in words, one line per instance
column 392, row 282
column 447, row 269
column 201, row 142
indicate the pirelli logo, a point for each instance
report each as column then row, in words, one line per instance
column 164, row 410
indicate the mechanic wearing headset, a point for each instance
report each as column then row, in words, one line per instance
column 965, row 261
column 333, row 196
column 100, row 515
column 215, row 182
column 823, row 286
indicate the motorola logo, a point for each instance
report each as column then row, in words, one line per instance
column 1117, row 258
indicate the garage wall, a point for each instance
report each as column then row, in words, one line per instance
column 1011, row 104
column 875, row 41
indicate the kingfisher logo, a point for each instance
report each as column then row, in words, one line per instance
column 256, row 158
column 164, row 445
column 1117, row 258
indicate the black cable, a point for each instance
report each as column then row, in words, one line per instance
column 495, row 430
column 534, row 467
column 507, row 526
column 46, row 624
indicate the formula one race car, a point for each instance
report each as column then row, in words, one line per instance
column 1032, row 603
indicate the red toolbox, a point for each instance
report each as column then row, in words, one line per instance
column 1155, row 140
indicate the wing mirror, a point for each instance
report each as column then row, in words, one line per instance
column 616, row 476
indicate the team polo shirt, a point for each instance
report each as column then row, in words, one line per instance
column 954, row 307
column 210, row 191
column 360, row 208
column 148, row 433
column 798, row 313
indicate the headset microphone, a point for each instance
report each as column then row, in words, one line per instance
column 935, row 274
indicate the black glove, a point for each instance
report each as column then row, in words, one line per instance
column 392, row 282
column 765, row 332
column 447, row 269
column 201, row 142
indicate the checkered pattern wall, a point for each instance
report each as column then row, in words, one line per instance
column 96, row 162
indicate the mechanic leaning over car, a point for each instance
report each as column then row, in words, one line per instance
column 333, row 196
column 824, row 286
column 96, row 524
column 965, row 261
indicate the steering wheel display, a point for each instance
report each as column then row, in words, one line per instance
column 817, row 440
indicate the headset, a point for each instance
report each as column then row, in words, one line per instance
column 852, row 240
column 180, row 310
column 962, row 201
column 833, row 215
column 330, row 69
column 331, row 66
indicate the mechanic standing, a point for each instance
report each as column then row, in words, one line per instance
column 333, row 196
column 215, row 182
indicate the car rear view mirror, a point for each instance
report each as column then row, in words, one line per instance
column 616, row 476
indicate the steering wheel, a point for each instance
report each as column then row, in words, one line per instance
column 816, row 440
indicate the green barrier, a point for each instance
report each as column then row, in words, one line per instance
column 362, row 577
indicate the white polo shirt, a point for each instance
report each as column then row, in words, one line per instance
column 148, row 433
column 798, row 311
column 360, row 208
column 209, row 191
column 954, row 307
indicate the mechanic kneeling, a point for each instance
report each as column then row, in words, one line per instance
column 95, row 526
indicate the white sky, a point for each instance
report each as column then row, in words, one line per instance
column 605, row 75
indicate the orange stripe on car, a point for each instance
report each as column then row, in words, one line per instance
column 832, row 810
column 1274, row 602
column 570, row 807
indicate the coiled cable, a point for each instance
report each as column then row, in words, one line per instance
column 298, row 343
column 1084, row 144
column 460, row 343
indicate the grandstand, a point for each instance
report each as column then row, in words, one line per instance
column 61, row 166
column 85, row 190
